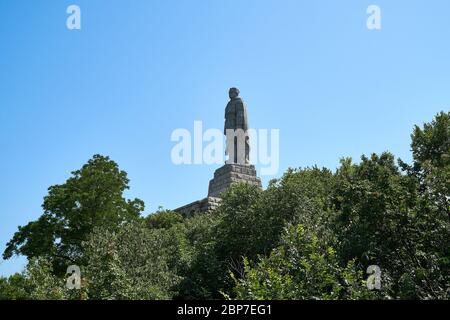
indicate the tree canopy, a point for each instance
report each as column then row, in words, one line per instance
column 91, row 197
column 312, row 234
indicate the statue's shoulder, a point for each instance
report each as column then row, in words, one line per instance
column 239, row 103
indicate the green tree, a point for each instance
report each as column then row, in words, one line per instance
column 92, row 197
column 163, row 219
column 237, row 229
column 15, row 287
column 249, row 223
column 134, row 262
column 431, row 161
column 42, row 284
column 202, row 273
column 430, row 276
column 300, row 268
column 374, row 205
column 399, row 220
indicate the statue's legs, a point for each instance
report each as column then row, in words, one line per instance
column 238, row 146
column 230, row 149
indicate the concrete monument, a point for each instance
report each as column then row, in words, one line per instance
column 237, row 168
column 235, row 129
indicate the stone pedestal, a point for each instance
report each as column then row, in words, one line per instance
column 204, row 205
column 230, row 174
column 224, row 177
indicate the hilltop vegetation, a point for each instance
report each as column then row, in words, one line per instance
column 309, row 235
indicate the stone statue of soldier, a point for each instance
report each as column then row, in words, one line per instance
column 236, row 126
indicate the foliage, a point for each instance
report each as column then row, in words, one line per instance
column 36, row 282
column 92, row 197
column 43, row 285
column 132, row 263
column 163, row 219
column 310, row 235
column 203, row 273
column 300, row 268
column 14, row 287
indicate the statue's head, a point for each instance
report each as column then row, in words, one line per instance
column 233, row 93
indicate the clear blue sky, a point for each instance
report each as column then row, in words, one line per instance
column 139, row 69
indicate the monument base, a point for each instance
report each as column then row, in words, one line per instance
column 224, row 178
column 230, row 174
column 204, row 205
